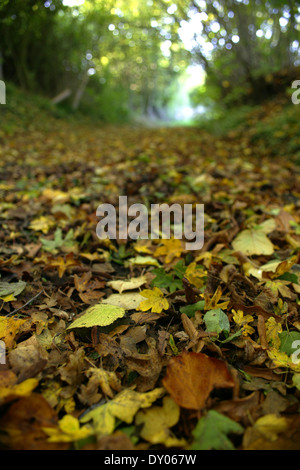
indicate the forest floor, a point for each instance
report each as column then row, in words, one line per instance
column 142, row 344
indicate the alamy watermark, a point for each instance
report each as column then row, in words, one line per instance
column 187, row 222
column 2, row 352
column 2, row 92
column 295, row 95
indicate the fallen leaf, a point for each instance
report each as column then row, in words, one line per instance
column 253, row 242
column 124, row 407
column 22, row 389
column 10, row 290
column 9, row 328
column 68, row 430
column 157, row 421
column 170, row 249
column 216, row 321
column 211, row 432
column 155, row 301
column 131, row 284
column 128, row 301
column 191, row 377
column 98, row 315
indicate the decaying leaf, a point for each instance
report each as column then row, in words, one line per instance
column 191, row 377
column 130, row 284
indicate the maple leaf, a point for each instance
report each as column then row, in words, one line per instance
column 211, row 432
column 62, row 264
column 171, row 249
column 212, row 303
column 155, row 301
column 42, row 224
column 281, row 359
column 9, row 328
column 272, row 331
column 242, row 321
column 279, row 286
column 196, row 275
column 165, row 280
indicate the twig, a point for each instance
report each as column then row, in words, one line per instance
column 25, row 305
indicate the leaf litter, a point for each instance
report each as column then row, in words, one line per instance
column 140, row 344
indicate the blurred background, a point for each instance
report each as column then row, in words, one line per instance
column 153, row 61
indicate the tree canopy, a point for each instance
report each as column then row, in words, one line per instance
column 118, row 58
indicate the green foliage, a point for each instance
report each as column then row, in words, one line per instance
column 216, row 321
column 287, row 338
column 212, row 432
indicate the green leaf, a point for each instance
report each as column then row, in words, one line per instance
column 289, row 277
column 173, row 345
column 14, row 288
column 98, row 315
column 212, row 430
column 179, row 269
column 216, row 321
column 286, row 340
column 165, row 280
column 190, row 310
column 231, row 337
column 58, row 242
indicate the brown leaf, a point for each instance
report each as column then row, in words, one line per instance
column 22, row 425
column 28, row 358
column 191, row 377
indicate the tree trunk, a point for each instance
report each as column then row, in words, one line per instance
column 80, row 91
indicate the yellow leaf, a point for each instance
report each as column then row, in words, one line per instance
column 279, row 286
column 56, row 196
column 68, row 430
column 242, row 321
column 195, row 275
column 157, row 421
column 62, row 264
column 272, row 330
column 171, row 249
column 253, row 242
column 271, row 425
column 212, row 303
column 98, row 315
column 42, row 224
column 106, row 380
column 8, row 298
column 155, row 301
column 22, row 389
column 206, row 258
column 281, row 359
column 128, row 300
column 9, row 327
column 124, row 407
column 141, row 261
